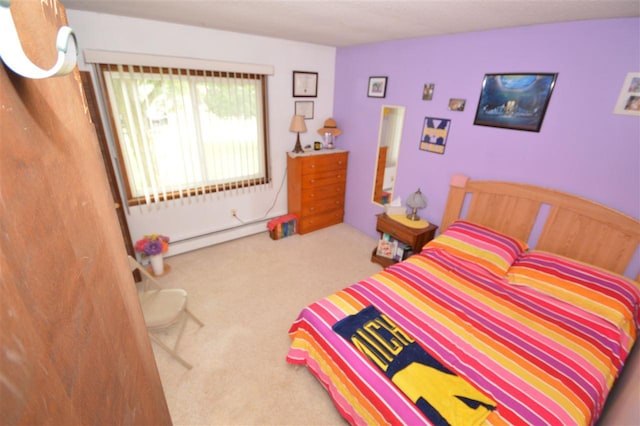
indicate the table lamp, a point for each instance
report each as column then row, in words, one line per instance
column 297, row 125
column 416, row 201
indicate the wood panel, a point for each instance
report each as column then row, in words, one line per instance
column 517, row 217
column 574, row 226
column 589, row 238
column 75, row 347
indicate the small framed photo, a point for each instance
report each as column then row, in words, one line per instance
column 427, row 91
column 305, row 109
column 377, row 87
column 629, row 99
column 434, row 134
column 386, row 248
column 305, row 84
column 457, row 104
column 515, row 101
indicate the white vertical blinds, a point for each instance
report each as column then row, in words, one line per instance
column 183, row 133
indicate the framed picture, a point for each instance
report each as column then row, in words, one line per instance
column 305, row 84
column 427, row 91
column 434, row 134
column 377, row 87
column 514, row 101
column 457, row 104
column 304, row 108
column 387, row 248
column 629, row 99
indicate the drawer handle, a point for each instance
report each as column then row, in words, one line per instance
column 313, row 166
column 312, row 180
column 311, row 209
column 339, row 176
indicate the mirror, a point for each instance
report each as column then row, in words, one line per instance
column 390, row 134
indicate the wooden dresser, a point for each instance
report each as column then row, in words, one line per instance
column 315, row 188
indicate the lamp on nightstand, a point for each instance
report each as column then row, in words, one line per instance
column 416, row 201
column 297, row 125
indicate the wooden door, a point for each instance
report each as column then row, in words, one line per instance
column 74, row 345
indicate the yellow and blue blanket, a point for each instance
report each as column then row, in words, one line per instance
column 443, row 397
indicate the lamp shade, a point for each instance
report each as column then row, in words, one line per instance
column 414, row 202
column 417, row 200
column 297, row 124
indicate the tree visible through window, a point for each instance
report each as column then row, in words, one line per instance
column 184, row 132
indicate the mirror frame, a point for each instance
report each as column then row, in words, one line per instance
column 377, row 170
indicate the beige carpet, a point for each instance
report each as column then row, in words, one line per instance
column 248, row 292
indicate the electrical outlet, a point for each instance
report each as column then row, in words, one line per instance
column 234, row 212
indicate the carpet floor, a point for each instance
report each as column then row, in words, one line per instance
column 248, row 292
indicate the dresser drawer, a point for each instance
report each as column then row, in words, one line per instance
column 319, row 206
column 315, row 180
column 323, row 163
column 314, row 193
column 315, row 222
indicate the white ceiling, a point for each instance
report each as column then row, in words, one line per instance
column 351, row 22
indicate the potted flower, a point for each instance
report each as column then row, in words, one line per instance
column 154, row 246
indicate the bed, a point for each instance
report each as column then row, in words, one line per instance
column 485, row 325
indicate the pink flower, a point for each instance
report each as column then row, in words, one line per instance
column 152, row 244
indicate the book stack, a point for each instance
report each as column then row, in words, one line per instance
column 391, row 248
column 282, row 226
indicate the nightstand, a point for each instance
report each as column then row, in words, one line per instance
column 415, row 237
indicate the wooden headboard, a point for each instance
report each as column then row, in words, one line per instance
column 570, row 226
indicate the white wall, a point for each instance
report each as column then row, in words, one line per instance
column 199, row 223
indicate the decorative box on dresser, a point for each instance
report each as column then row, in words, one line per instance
column 316, row 184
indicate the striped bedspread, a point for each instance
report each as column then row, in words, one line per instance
column 542, row 356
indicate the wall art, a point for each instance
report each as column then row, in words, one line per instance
column 304, row 108
column 305, row 84
column 456, row 104
column 629, row 99
column 377, row 87
column 434, row 134
column 427, row 91
column 515, row 101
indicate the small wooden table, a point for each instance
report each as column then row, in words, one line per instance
column 415, row 237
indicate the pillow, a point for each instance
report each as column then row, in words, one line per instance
column 603, row 293
column 488, row 248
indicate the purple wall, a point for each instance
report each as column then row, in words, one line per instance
column 582, row 147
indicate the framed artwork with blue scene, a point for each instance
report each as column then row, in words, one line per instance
column 434, row 134
column 515, row 101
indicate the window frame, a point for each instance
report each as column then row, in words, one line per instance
column 195, row 191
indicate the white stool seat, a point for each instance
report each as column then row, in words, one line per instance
column 162, row 308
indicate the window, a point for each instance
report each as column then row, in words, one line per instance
column 185, row 132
